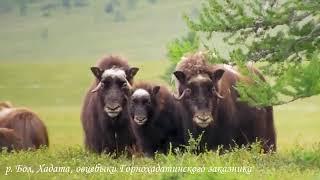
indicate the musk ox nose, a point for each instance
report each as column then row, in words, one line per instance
column 203, row 118
column 140, row 120
column 113, row 110
column 113, row 107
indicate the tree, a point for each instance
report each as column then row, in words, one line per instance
column 177, row 48
column 281, row 38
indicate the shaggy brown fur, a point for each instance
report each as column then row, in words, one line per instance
column 162, row 126
column 107, row 62
column 102, row 132
column 192, row 65
column 27, row 126
column 9, row 140
column 5, row 104
column 248, row 123
column 234, row 121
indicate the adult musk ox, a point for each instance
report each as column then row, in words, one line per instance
column 197, row 91
column 248, row 123
column 9, row 140
column 23, row 124
column 154, row 118
column 207, row 92
column 104, row 116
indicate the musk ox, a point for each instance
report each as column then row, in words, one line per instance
column 154, row 118
column 208, row 95
column 104, row 116
column 197, row 89
column 25, row 125
column 248, row 123
column 9, row 140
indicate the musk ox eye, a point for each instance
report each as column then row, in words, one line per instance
column 121, row 82
column 124, row 85
column 105, row 82
column 135, row 101
column 145, row 101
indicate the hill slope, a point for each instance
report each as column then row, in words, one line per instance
column 50, row 32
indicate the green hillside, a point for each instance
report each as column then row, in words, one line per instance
column 85, row 33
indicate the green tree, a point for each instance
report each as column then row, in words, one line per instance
column 280, row 37
column 177, row 48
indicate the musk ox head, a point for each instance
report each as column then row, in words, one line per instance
column 199, row 93
column 113, row 88
column 142, row 105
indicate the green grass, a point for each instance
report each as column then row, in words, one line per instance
column 294, row 164
column 55, row 92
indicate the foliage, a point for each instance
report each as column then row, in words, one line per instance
column 177, row 48
column 281, row 37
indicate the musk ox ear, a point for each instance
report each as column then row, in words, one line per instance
column 216, row 75
column 97, row 72
column 180, row 76
column 131, row 72
column 155, row 90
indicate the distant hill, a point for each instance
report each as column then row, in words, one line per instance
column 83, row 30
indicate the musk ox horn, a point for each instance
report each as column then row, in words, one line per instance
column 97, row 88
column 217, row 93
column 186, row 91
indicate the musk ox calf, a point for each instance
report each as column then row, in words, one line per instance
column 9, row 140
column 154, row 118
column 24, row 125
column 207, row 92
column 104, row 116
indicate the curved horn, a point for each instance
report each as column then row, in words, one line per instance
column 217, row 93
column 96, row 88
column 186, row 91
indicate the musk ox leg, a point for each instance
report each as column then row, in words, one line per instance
column 9, row 139
column 101, row 142
column 124, row 141
column 270, row 130
column 264, row 129
column 147, row 148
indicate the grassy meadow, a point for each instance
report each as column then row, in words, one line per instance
column 50, row 74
